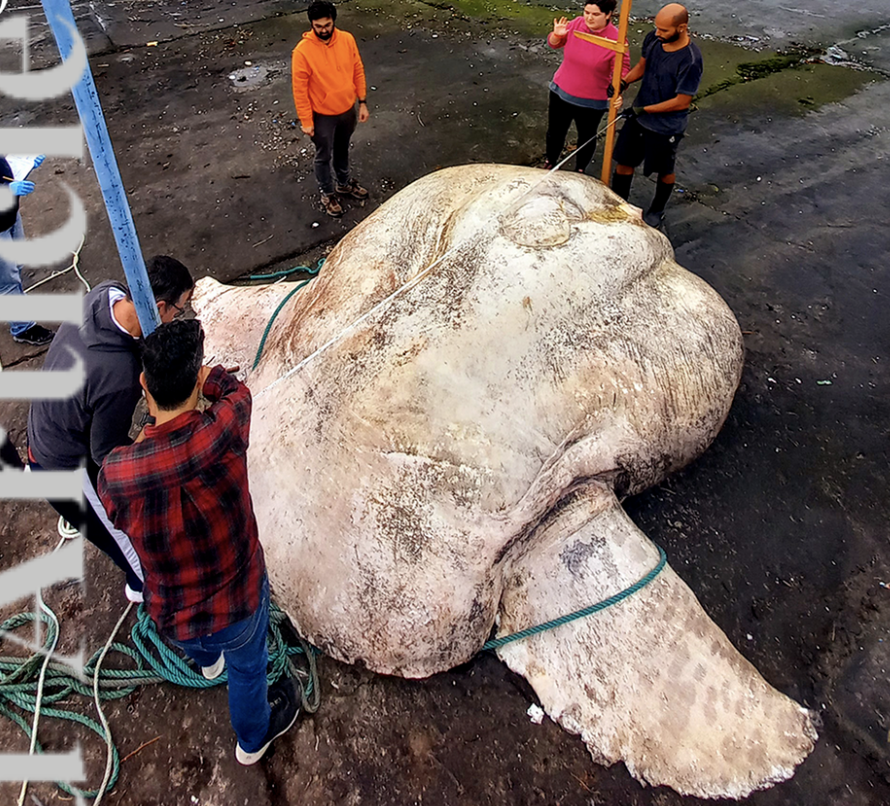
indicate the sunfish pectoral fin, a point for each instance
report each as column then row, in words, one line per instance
column 650, row 681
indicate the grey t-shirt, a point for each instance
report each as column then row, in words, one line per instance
column 668, row 74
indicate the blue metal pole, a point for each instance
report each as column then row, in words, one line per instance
column 86, row 99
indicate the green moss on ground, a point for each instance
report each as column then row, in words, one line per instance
column 735, row 78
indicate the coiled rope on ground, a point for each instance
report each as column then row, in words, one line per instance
column 153, row 661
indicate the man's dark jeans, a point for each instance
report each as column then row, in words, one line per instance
column 331, row 139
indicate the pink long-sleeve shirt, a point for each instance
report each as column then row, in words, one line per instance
column 586, row 68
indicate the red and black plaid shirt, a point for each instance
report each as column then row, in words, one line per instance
column 181, row 495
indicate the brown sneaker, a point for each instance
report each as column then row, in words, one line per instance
column 354, row 189
column 330, row 205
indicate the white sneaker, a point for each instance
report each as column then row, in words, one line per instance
column 212, row 672
column 133, row 596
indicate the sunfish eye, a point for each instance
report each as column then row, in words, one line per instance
column 541, row 221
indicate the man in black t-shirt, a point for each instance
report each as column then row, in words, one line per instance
column 670, row 68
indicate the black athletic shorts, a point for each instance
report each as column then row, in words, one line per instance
column 636, row 144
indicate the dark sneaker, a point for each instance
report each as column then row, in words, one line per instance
column 285, row 709
column 354, row 189
column 37, row 335
column 654, row 218
column 330, row 205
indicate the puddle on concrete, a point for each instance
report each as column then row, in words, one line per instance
column 249, row 77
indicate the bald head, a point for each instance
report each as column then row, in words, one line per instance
column 671, row 26
column 672, row 15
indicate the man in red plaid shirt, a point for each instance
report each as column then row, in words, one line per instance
column 180, row 492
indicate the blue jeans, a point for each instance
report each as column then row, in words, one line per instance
column 11, row 273
column 247, row 655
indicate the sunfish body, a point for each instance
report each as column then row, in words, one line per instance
column 443, row 423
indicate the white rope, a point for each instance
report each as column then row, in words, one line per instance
column 46, row 609
column 562, row 162
column 74, row 265
column 109, row 756
column 66, row 530
column 410, row 284
column 420, row 275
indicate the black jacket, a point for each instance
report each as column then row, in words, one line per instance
column 97, row 418
column 7, row 217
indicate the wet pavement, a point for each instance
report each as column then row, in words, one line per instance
column 780, row 528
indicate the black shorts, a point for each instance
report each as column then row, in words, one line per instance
column 636, row 143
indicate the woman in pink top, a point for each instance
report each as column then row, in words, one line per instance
column 578, row 90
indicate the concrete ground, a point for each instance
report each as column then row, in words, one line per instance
column 780, row 528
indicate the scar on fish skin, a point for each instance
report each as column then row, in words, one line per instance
column 611, row 215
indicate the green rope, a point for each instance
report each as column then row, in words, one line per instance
column 153, row 662
column 288, row 272
column 259, row 352
column 494, row 643
column 71, row 716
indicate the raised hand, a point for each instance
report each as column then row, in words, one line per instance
column 560, row 27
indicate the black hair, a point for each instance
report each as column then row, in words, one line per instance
column 606, row 6
column 168, row 278
column 171, row 359
column 320, row 9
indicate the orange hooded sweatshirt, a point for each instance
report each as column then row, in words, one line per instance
column 327, row 77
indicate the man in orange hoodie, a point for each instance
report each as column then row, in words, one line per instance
column 328, row 77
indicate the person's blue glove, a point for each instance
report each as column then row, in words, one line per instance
column 21, row 187
column 38, row 161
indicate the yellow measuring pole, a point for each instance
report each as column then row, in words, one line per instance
column 620, row 47
column 601, row 41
